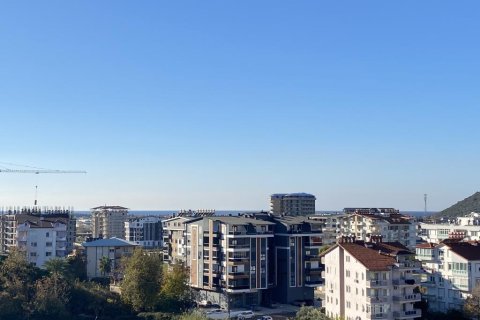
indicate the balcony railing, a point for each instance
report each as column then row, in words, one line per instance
column 408, row 298
column 377, row 299
column 407, row 314
column 377, row 283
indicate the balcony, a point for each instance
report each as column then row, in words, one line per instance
column 408, row 298
column 410, row 314
column 408, row 265
column 377, row 283
column 375, row 299
column 403, row 282
column 378, row 316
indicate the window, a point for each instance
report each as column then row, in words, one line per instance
column 48, row 244
column 47, row 234
column 347, row 273
column 33, row 254
column 33, row 244
column 347, row 258
column 48, row 254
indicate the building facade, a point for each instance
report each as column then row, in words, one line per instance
column 144, row 231
column 229, row 259
column 467, row 228
column 109, row 221
column 114, row 249
column 452, row 270
column 254, row 259
column 292, row 204
column 41, row 233
column 370, row 280
column 175, row 239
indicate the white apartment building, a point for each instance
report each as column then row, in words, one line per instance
column 467, row 228
column 174, row 239
column 387, row 222
column 109, row 221
column 331, row 226
column 452, row 271
column 144, row 231
column 41, row 235
column 370, row 280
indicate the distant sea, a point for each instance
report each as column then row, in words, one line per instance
column 167, row 213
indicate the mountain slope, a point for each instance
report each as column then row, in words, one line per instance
column 463, row 207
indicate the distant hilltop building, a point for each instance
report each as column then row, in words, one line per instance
column 109, row 222
column 41, row 233
column 292, row 204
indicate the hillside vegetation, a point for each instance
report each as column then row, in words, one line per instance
column 462, row 208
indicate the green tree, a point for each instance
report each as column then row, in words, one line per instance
column 78, row 267
column 176, row 295
column 51, row 297
column 472, row 304
column 142, row 280
column 17, row 278
column 310, row 313
column 105, row 266
column 58, row 266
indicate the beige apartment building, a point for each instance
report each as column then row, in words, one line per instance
column 292, row 204
column 109, row 222
column 370, row 280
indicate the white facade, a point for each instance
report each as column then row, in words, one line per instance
column 109, row 221
column 392, row 227
column 467, row 228
column 42, row 243
column 452, row 271
column 354, row 291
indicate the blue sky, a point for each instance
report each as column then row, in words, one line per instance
column 218, row 104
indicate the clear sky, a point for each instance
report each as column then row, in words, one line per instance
column 218, row 104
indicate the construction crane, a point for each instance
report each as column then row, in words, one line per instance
column 38, row 171
column 34, row 170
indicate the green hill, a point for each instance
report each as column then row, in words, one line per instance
column 462, row 208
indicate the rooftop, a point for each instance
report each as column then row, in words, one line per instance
column 467, row 250
column 110, row 208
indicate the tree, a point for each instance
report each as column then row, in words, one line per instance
column 142, row 280
column 17, row 277
column 472, row 304
column 310, row 313
column 105, row 266
column 51, row 296
column 78, row 267
column 59, row 267
column 176, row 293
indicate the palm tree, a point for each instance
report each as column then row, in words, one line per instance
column 105, row 266
column 57, row 266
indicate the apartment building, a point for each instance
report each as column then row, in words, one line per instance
column 297, row 269
column 467, row 228
column 370, row 280
column 331, row 226
column 387, row 222
column 174, row 239
column 144, row 231
column 292, row 204
column 41, row 233
column 229, row 257
column 114, row 249
column 452, row 270
column 109, row 221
